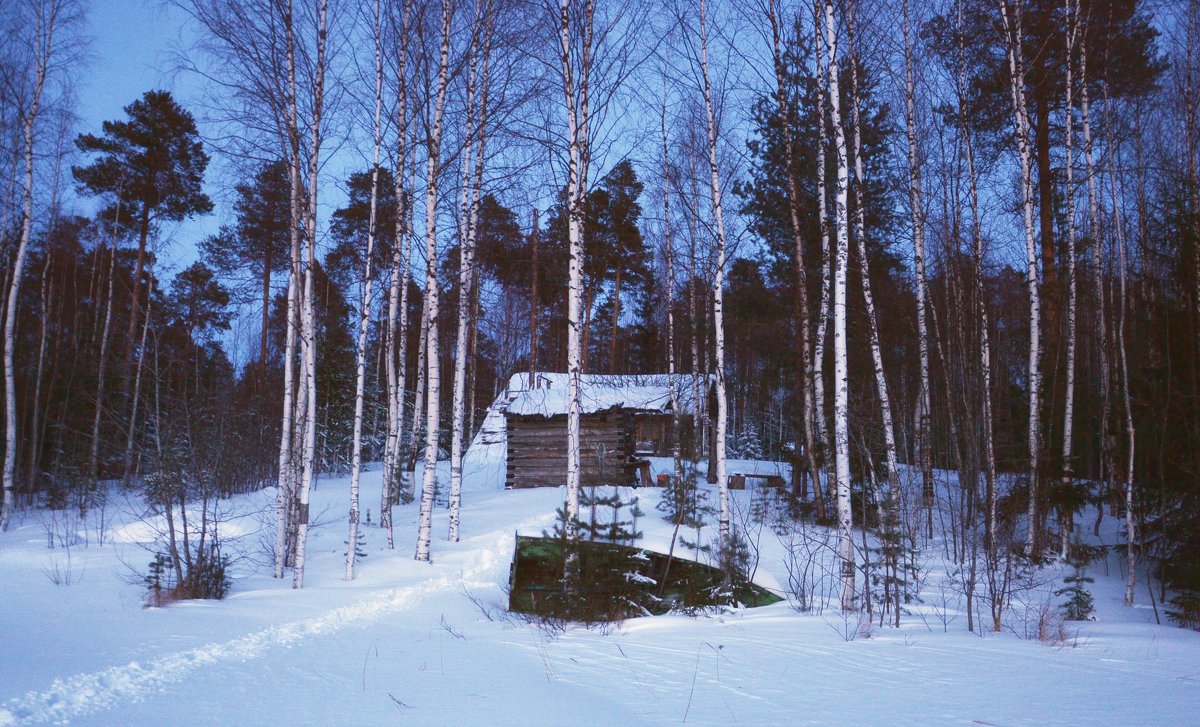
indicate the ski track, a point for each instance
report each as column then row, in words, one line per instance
column 83, row 694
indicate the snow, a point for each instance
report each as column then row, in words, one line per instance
column 432, row 644
column 598, row 392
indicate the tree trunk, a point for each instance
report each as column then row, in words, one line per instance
column 43, row 39
column 285, row 498
column 800, row 282
column 308, row 337
column 576, row 104
column 35, row 424
column 534, row 305
column 472, row 183
column 1122, row 314
column 137, row 390
column 1097, row 270
column 135, row 298
column 892, row 498
column 718, row 292
column 94, row 455
column 818, row 362
column 1012, row 27
column 432, row 300
column 364, row 309
column 1066, row 517
column 917, row 210
column 985, row 355
column 841, row 393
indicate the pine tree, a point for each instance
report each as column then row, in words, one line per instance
column 152, row 164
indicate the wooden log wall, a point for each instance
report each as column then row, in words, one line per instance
column 537, row 449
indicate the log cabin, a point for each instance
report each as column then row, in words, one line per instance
column 623, row 421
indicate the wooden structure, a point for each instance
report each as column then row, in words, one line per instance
column 623, row 421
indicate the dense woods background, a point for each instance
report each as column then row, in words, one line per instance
column 1016, row 185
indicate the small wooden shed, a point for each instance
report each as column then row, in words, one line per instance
column 623, row 420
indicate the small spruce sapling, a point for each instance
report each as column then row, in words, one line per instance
column 156, row 577
column 360, row 543
column 1079, row 605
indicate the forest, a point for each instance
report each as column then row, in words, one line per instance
column 902, row 238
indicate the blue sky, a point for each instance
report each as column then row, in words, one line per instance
column 132, row 44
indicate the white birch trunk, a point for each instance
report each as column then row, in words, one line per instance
column 1130, row 522
column 807, row 380
column 472, row 182
column 308, row 335
column 397, row 341
column 101, row 369
column 1097, row 270
column 576, row 108
column 1066, row 518
column 718, row 290
column 364, row 308
column 137, row 383
column 1122, row 314
column 818, row 362
column 1012, row 27
column 285, row 496
column 669, row 264
column 432, row 358
column 917, row 211
column 699, row 407
column 985, row 353
column 841, row 393
column 35, row 426
column 42, row 41
column 860, row 233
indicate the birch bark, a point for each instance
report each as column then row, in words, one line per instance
column 397, row 340
column 308, row 333
column 364, row 306
column 718, row 289
column 807, row 379
column 841, row 393
column 472, row 183
column 818, row 363
column 43, row 43
column 881, row 386
column 917, row 211
column 1012, row 29
column 432, row 297
column 576, row 104
column 1066, row 518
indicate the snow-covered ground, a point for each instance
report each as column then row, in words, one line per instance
column 417, row 643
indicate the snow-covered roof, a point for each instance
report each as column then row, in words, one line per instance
column 599, row 392
column 485, row 458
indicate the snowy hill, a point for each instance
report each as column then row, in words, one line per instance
column 432, row 644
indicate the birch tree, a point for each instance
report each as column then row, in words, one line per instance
column 890, row 519
column 575, row 50
column 804, row 344
column 917, row 211
column 1066, row 518
column 1122, row 302
column 50, row 20
column 985, row 350
column 308, row 327
column 1096, row 266
column 718, row 288
column 396, row 340
column 433, row 143
column 823, row 314
column 1011, row 18
column 472, row 182
column 364, row 304
column 841, row 393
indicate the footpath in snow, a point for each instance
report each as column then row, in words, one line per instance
column 432, row 644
